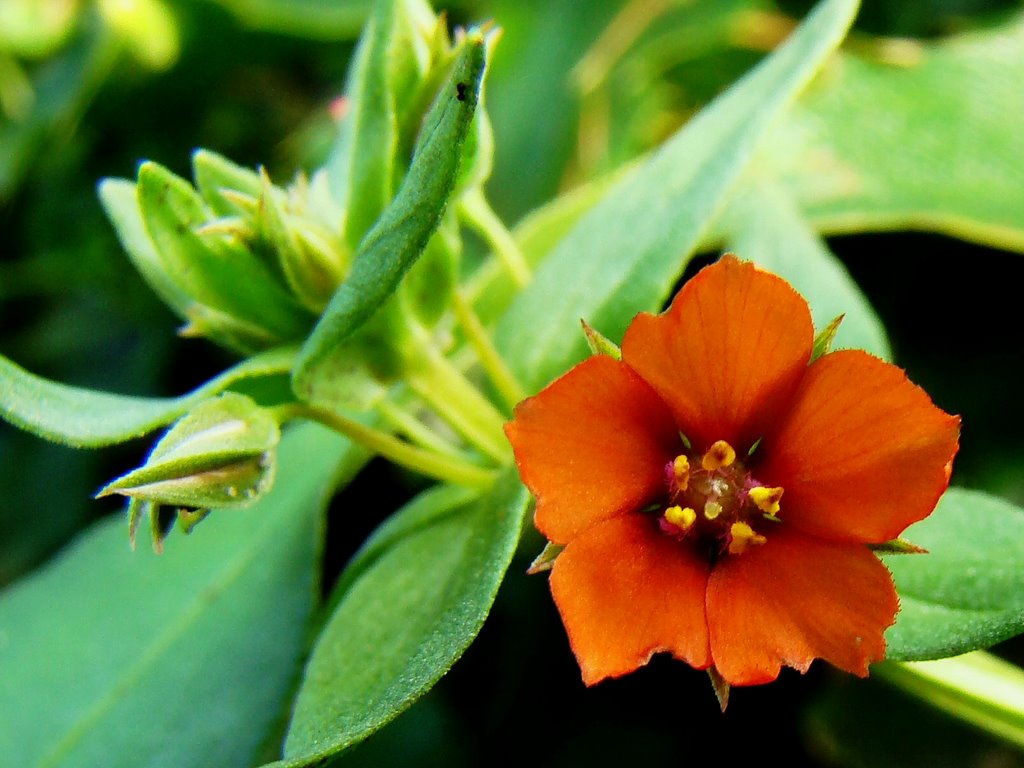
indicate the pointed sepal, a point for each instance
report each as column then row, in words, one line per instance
column 823, row 341
column 599, row 343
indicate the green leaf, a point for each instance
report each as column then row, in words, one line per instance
column 402, row 232
column 624, row 255
column 116, row 658
column 968, row 591
column 932, row 142
column 533, row 98
column 220, row 454
column 764, row 225
column 361, row 168
column 85, row 418
column 409, row 605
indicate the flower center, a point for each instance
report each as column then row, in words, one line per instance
column 716, row 502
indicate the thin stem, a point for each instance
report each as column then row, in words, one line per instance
column 443, row 387
column 977, row 687
column 479, row 215
column 414, row 429
column 615, row 41
column 490, row 359
column 432, row 464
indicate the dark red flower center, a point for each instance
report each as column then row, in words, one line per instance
column 715, row 502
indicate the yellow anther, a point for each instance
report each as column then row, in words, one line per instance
column 681, row 472
column 766, row 499
column 712, row 509
column 681, row 517
column 719, row 455
column 742, row 536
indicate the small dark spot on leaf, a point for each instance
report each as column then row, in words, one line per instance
column 460, row 91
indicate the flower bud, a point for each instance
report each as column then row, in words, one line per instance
column 221, row 454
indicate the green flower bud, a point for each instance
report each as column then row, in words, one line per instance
column 221, row 454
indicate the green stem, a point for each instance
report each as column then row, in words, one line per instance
column 414, row 429
column 478, row 214
column 977, row 687
column 490, row 359
column 430, row 463
column 443, row 387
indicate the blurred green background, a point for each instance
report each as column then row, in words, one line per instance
column 576, row 90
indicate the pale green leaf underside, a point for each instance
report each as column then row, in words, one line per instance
column 86, row 418
column 624, row 254
column 934, row 144
column 413, row 600
column 968, row 591
column 115, row 658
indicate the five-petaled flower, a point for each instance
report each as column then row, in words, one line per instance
column 717, row 492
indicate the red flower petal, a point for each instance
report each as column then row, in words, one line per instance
column 794, row 599
column 592, row 445
column 862, row 453
column 627, row 591
column 727, row 354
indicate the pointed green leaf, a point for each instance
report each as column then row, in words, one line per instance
column 116, row 658
column 85, row 418
column 765, row 226
column 361, row 168
column 968, row 591
column 823, row 339
column 401, row 234
column 409, row 605
column 625, row 254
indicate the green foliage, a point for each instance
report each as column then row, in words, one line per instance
column 939, row 149
column 407, row 607
column 365, row 295
column 624, row 255
column 968, row 591
column 86, row 418
column 405, row 227
column 111, row 657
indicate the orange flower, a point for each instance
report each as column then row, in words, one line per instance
column 716, row 494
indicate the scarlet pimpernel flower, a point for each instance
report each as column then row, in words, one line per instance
column 717, row 491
